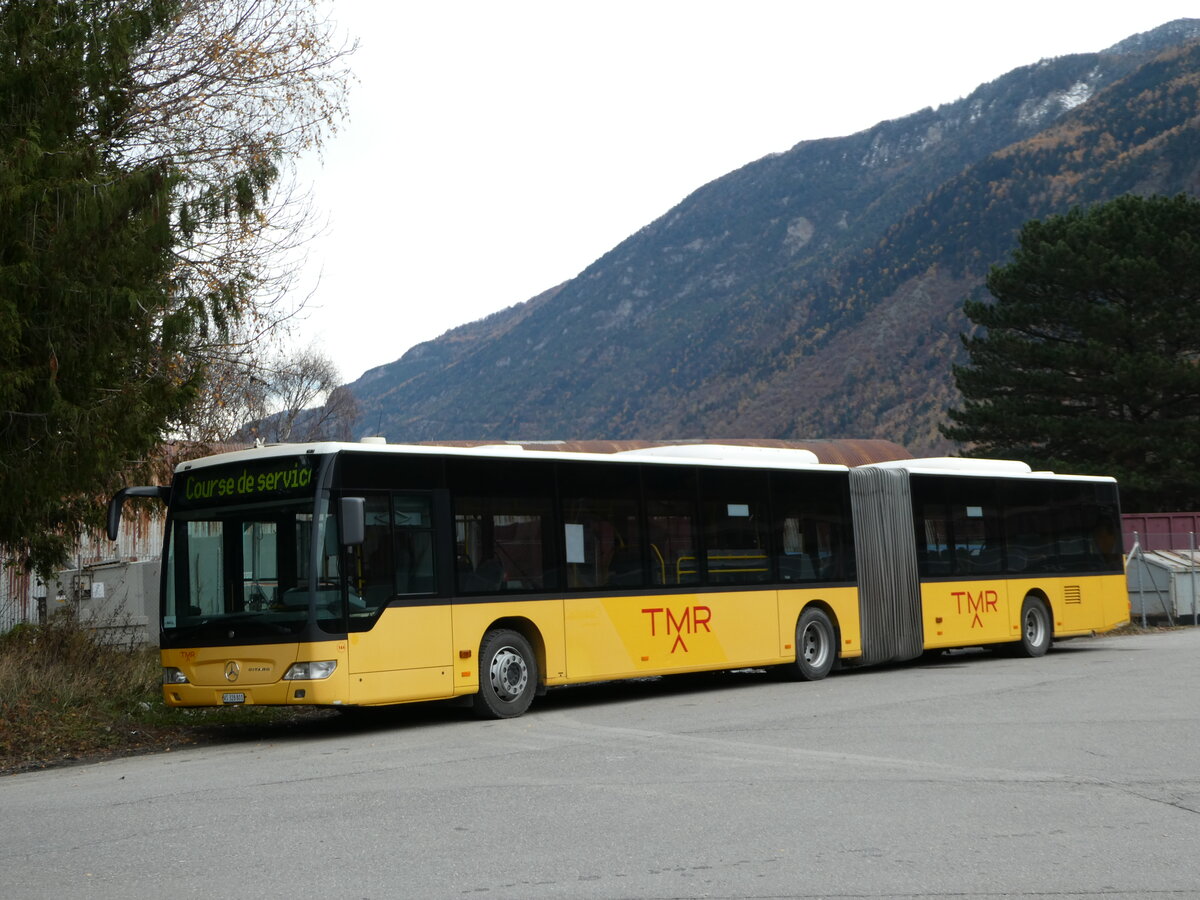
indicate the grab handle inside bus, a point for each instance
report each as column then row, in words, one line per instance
column 162, row 492
column 354, row 520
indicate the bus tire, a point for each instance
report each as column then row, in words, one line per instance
column 508, row 675
column 816, row 645
column 1036, row 628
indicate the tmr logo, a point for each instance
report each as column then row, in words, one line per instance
column 687, row 622
column 976, row 605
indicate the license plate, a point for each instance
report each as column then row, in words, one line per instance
column 233, row 698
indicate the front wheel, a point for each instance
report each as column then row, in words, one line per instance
column 816, row 645
column 1036, row 630
column 508, row 675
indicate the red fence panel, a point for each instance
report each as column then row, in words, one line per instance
column 1161, row 531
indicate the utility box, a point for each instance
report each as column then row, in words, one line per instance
column 1165, row 584
column 116, row 599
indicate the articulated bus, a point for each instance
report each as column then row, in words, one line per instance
column 373, row 574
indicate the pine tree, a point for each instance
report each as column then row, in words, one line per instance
column 140, row 143
column 1087, row 360
column 88, row 334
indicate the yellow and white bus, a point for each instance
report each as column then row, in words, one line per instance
column 371, row 574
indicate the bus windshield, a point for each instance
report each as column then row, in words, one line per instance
column 238, row 571
column 249, row 568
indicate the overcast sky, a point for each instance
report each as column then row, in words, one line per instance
column 496, row 149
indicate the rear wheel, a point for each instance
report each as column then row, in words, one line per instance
column 508, row 675
column 816, row 645
column 1036, row 630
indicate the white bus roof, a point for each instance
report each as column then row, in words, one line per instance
column 958, row 465
column 690, row 454
column 728, row 455
column 773, row 456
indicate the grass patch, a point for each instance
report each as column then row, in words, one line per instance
column 70, row 693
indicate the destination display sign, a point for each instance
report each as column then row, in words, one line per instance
column 279, row 478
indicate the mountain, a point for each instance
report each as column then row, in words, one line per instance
column 815, row 293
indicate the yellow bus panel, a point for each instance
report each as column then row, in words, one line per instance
column 472, row 620
column 1081, row 604
column 841, row 601
column 968, row 613
column 964, row 613
column 401, row 686
column 404, row 637
column 254, row 675
column 614, row 637
column 406, row 656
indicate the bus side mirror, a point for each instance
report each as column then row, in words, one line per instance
column 353, row 517
column 162, row 492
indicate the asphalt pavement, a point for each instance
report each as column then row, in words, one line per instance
column 969, row 776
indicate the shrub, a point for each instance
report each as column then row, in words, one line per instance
column 65, row 692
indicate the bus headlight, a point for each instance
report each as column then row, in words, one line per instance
column 172, row 675
column 310, row 671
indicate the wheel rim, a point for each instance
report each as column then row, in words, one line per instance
column 1035, row 627
column 814, row 646
column 509, row 674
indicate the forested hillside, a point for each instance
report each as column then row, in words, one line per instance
column 815, row 293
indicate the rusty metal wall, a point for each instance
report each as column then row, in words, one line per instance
column 17, row 603
column 1162, row 531
column 22, row 597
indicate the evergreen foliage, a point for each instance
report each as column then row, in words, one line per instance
column 90, row 336
column 1087, row 360
column 142, row 143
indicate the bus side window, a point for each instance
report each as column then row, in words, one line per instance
column 811, row 528
column 935, row 555
column 396, row 555
column 1104, row 515
column 958, row 526
column 413, row 543
column 501, row 544
column 1029, row 528
column 978, row 546
column 735, row 527
column 1087, row 527
column 503, row 526
column 601, row 529
column 373, row 580
column 671, row 525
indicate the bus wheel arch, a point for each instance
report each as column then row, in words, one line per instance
column 1036, row 626
column 511, row 660
column 816, row 642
